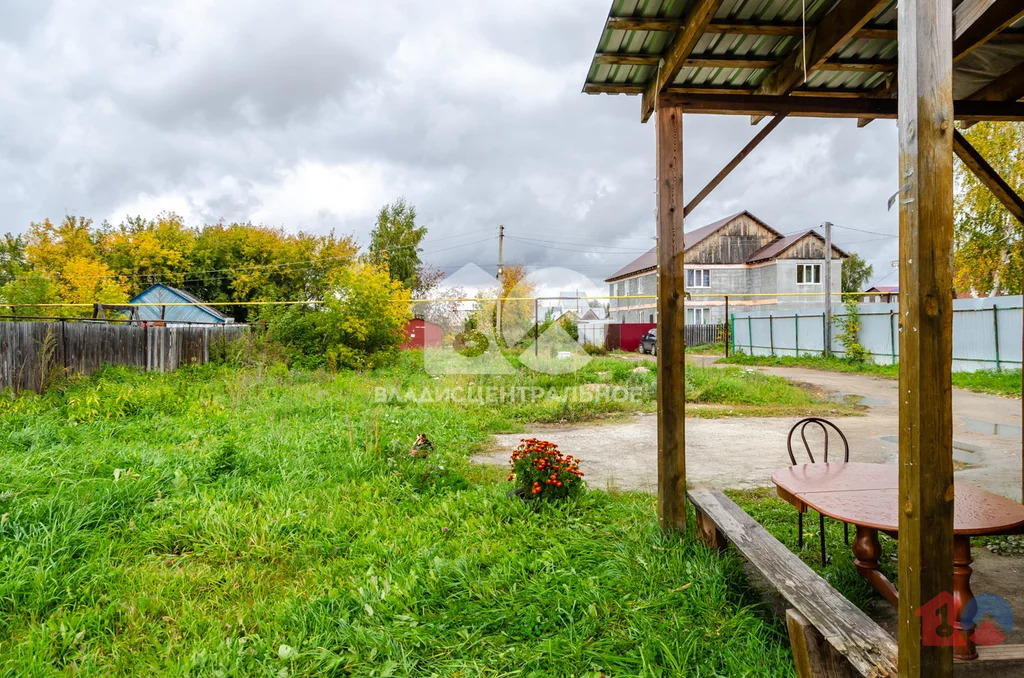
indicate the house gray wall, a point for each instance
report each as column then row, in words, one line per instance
column 777, row 277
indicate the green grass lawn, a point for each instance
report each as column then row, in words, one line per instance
column 1006, row 383
column 246, row 522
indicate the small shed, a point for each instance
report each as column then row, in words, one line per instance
column 420, row 333
column 181, row 307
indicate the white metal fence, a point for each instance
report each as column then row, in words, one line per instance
column 986, row 332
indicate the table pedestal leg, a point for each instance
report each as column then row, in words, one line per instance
column 866, row 552
column 962, row 595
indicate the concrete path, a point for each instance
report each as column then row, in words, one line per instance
column 742, row 452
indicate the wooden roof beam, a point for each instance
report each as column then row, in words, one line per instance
column 777, row 29
column 988, row 176
column 827, row 107
column 832, row 32
column 975, row 22
column 731, row 61
column 696, row 21
column 1007, row 87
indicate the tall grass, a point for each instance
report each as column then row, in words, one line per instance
column 258, row 522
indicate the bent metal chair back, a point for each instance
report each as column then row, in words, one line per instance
column 828, row 430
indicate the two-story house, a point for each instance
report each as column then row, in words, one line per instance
column 738, row 255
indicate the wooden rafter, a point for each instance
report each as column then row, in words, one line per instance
column 731, row 61
column 777, row 29
column 732, row 164
column 988, row 176
column 1007, row 87
column 827, row 107
column 975, row 22
column 835, row 29
column 697, row 19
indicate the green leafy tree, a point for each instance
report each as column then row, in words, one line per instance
column 27, row 291
column 395, row 242
column 12, row 258
column 856, row 273
column 989, row 254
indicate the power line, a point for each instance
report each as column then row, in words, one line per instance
column 531, row 241
column 861, row 230
column 568, row 249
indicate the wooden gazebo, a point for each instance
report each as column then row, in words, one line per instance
column 926, row 63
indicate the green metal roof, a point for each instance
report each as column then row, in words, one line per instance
column 732, row 35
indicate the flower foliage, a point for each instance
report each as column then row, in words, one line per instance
column 544, row 472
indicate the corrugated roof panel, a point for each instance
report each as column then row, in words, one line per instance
column 970, row 74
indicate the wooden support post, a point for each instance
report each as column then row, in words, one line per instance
column 671, row 324
column 926, row 324
column 813, row 656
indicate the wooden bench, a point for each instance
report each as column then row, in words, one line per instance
column 830, row 635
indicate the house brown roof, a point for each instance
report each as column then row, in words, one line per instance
column 780, row 245
column 649, row 260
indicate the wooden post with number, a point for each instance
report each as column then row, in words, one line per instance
column 926, row 327
column 671, row 323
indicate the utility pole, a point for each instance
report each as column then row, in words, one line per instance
column 828, row 288
column 501, row 242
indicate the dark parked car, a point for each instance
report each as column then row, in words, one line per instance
column 649, row 344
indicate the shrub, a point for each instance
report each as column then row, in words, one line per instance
column 542, row 472
column 256, row 347
column 360, row 324
column 849, row 331
column 594, row 349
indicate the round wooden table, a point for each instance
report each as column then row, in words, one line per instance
column 867, row 496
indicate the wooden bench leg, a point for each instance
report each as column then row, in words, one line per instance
column 709, row 533
column 813, row 655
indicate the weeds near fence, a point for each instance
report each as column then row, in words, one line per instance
column 849, row 331
column 49, row 370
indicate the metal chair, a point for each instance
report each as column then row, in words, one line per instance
column 824, row 424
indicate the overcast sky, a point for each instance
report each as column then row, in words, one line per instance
column 310, row 115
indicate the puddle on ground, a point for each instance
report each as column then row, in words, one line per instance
column 965, row 455
column 857, row 399
column 989, row 428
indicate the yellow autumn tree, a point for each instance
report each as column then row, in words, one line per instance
column 146, row 252
column 66, row 253
column 989, row 255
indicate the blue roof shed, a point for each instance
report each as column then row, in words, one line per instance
column 196, row 312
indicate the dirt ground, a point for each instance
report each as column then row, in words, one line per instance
column 743, row 452
column 738, row 452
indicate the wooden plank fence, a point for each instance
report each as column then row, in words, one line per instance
column 704, row 334
column 33, row 353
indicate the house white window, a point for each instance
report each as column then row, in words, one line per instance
column 698, row 316
column 698, row 277
column 808, row 274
